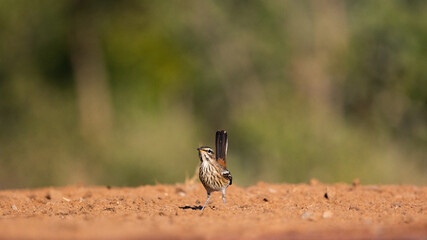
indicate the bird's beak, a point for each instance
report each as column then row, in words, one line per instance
column 200, row 149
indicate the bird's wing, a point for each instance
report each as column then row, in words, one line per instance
column 221, row 142
column 226, row 174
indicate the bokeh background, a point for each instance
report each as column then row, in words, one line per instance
column 123, row 92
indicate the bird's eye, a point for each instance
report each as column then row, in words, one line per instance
column 210, row 151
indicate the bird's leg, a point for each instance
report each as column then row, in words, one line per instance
column 207, row 200
column 223, row 196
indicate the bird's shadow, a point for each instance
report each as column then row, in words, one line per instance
column 199, row 207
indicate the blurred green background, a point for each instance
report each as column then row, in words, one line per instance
column 123, row 92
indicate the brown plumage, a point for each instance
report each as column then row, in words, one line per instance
column 221, row 145
column 213, row 172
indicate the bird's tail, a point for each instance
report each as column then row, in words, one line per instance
column 221, row 141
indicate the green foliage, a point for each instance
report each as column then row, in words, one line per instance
column 122, row 93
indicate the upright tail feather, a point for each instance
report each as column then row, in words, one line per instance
column 221, row 141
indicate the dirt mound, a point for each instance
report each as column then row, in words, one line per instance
column 263, row 211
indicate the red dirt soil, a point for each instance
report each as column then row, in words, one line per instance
column 263, row 211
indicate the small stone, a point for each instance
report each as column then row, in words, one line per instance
column 356, row 182
column 261, row 184
column 308, row 216
column 327, row 214
column 330, row 194
column 408, row 219
column 53, row 195
column 272, row 190
column 179, row 190
column 110, row 209
column 14, row 207
column 66, row 199
column 87, row 194
column 314, row 182
column 353, row 208
column 367, row 221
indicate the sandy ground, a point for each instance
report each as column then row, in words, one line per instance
column 263, row 211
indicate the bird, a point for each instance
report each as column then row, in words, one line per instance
column 213, row 171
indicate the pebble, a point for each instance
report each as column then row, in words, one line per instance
column 330, row 193
column 356, row 182
column 327, row 214
column 314, row 182
column 272, row 190
column 308, row 216
column 14, row 207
